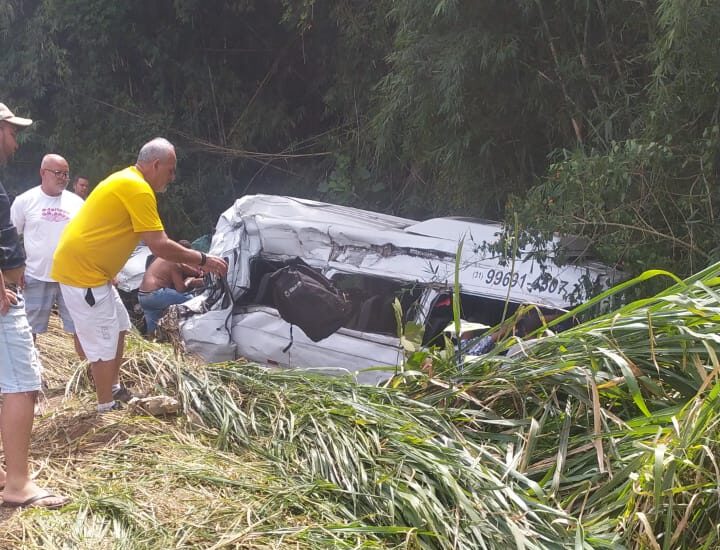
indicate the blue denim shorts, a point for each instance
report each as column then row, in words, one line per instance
column 20, row 367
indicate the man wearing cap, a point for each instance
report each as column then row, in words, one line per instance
column 120, row 211
column 41, row 214
column 19, row 364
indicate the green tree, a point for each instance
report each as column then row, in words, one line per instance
column 598, row 118
column 649, row 198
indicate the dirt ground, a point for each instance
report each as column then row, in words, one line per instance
column 59, row 421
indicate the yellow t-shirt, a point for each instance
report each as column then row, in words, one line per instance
column 97, row 242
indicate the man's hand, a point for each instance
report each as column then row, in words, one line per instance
column 216, row 265
column 194, row 282
column 191, row 271
column 7, row 298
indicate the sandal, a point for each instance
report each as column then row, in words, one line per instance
column 36, row 502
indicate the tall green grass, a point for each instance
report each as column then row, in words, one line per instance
column 601, row 436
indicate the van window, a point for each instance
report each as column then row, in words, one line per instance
column 476, row 309
column 259, row 293
column 373, row 298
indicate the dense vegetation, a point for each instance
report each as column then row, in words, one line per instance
column 602, row 436
column 598, row 118
column 591, row 117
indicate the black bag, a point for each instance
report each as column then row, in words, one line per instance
column 308, row 299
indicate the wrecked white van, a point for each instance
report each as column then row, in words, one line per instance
column 374, row 258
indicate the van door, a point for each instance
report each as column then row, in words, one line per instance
column 262, row 336
column 369, row 339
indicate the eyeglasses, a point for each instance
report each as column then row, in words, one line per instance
column 58, row 173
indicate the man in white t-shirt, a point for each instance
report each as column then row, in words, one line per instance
column 40, row 215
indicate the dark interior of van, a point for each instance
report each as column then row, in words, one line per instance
column 475, row 309
column 372, row 297
column 372, row 301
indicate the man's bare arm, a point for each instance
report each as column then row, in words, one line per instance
column 178, row 279
column 164, row 247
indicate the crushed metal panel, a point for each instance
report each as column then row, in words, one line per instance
column 261, row 336
column 329, row 236
column 212, row 346
column 457, row 228
column 234, row 241
column 479, row 231
column 283, row 239
column 341, row 239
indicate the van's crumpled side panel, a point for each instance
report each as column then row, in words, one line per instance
column 213, row 346
column 260, row 334
column 335, row 238
column 233, row 242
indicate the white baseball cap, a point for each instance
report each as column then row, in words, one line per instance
column 6, row 115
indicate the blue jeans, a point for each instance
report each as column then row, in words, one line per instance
column 20, row 367
column 155, row 302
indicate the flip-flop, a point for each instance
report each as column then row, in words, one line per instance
column 35, row 499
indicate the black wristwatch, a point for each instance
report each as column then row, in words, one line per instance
column 203, row 258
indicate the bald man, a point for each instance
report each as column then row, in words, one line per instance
column 40, row 215
column 120, row 211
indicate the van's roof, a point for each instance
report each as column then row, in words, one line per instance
column 349, row 239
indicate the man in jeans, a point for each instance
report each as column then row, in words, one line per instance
column 19, row 364
column 164, row 284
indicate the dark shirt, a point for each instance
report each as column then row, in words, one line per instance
column 12, row 254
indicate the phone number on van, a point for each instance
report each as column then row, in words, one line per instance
column 502, row 278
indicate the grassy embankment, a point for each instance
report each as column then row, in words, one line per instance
column 602, row 436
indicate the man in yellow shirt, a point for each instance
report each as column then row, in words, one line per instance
column 97, row 242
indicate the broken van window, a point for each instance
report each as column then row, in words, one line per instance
column 475, row 309
column 372, row 299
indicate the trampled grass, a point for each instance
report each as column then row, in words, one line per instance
column 145, row 482
column 603, row 436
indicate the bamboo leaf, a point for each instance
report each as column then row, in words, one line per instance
column 629, row 379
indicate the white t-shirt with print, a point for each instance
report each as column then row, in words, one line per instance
column 41, row 219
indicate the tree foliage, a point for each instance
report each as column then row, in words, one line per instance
column 598, row 118
column 649, row 196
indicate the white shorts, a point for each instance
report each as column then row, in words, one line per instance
column 99, row 316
